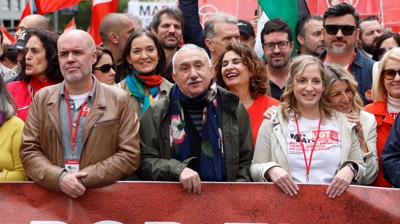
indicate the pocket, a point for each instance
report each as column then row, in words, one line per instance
column 106, row 123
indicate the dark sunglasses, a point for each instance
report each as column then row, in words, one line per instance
column 390, row 74
column 347, row 30
column 104, row 68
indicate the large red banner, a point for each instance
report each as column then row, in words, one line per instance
column 389, row 15
column 364, row 7
column 140, row 202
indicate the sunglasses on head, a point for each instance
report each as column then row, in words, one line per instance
column 104, row 68
column 347, row 30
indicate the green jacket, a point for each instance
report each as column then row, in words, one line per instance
column 156, row 162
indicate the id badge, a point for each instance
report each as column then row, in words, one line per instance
column 72, row 166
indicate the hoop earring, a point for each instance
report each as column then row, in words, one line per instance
column 252, row 83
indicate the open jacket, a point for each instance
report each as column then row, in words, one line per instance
column 361, row 69
column 384, row 122
column 111, row 138
column 271, row 149
column 156, row 161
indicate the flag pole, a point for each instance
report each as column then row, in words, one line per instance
column 32, row 3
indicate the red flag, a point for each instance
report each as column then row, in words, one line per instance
column 100, row 8
column 71, row 25
column 365, row 7
column 46, row 6
column 26, row 12
column 7, row 37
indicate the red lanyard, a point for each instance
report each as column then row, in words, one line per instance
column 308, row 165
column 72, row 132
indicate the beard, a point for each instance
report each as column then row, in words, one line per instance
column 369, row 48
column 169, row 45
column 278, row 65
column 340, row 50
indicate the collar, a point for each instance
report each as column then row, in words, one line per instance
column 378, row 108
column 91, row 94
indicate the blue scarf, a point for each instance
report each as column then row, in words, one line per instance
column 212, row 152
column 135, row 83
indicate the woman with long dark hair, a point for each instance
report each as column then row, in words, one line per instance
column 41, row 69
column 144, row 60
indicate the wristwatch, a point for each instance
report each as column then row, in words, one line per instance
column 355, row 171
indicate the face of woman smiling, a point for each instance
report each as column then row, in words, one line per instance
column 308, row 89
column 234, row 73
column 143, row 55
column 340, row 96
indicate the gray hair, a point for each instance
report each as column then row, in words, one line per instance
column 135, row 18
column 189, row 47
column 219, row 17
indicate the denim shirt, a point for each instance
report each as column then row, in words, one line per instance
column 361, row 69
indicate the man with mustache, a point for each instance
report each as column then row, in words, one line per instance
column 340, row 37
column 309, row 35
column 200, row 132
column 168, row 25
column 277, row 43
column 370, row 31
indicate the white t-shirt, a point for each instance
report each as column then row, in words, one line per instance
column 78, row 99
column 326, row 157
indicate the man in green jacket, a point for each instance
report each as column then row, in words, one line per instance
column 200, row 132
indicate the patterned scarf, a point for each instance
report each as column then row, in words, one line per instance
column 212, row 152
column 136, row 81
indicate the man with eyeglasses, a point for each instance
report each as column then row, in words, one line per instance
column 80, row 133
column 340, row 38
column 276, row 39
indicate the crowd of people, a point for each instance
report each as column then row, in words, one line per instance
column 144, row 106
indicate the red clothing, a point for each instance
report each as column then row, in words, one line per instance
column 256, row 111
column 22, row 93
column 384, row 123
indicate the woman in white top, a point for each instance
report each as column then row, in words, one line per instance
column 342, row 96
column 305, row 141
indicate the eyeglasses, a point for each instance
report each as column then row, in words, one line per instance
column 104, row 68
column 390, row 74
column 347, row 30
column 281, row 44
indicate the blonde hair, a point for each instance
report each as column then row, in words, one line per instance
column 335, row 73
column 379, row 92
column 297, row 67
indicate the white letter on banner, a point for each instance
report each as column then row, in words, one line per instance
column 95, row 2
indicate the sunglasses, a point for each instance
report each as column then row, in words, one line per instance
column 347, row 30
column 390, row 74
column 104, row 68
